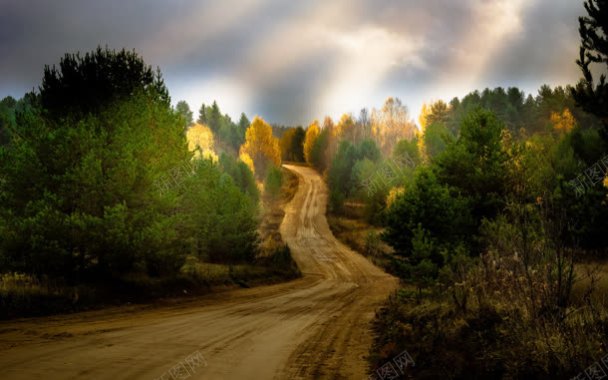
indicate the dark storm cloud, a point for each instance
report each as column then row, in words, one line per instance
column 229, row 50
column 546, row 48
column 293, row 95
column 35, row 33
column 292, row 61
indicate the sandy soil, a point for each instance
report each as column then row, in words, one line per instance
column 316, row 327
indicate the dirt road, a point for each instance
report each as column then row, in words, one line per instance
column 316, row 327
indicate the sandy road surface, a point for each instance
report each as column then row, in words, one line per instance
column 316, row 327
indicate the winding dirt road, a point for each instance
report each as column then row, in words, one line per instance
column 316, row 327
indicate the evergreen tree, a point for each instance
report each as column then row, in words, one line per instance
column 183, row 109
column 215, row 118
column 297, row 144
column 593, row 29
column 244, row 123
column 202, row 114
column 7, row 118
column 83, row 85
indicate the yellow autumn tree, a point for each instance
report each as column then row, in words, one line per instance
column 563, row 122
column 312, row 133
column 200, row 141
column 345, row 129
column 261, row 147
column 422, row 118
column 247, row 161
column 393, row 194
column 391, row 124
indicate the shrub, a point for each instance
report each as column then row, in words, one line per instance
column 273, row 183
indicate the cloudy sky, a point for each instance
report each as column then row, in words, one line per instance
column 291, row 61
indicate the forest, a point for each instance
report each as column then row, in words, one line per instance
column 107, row 188
column 491, row 209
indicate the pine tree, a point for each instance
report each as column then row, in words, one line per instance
column 83, row 85
column 243, row 125
column 594, row 49
column 214, row 117
column 183, row 109
column 202, row 114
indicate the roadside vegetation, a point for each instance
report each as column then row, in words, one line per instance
column 493, row 213
column 109, row 194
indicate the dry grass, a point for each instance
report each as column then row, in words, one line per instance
column 20, row 284
column 496, row 319
column 591, row 281
column 273, row 213
column 352, row 232
column 507, row 328
column 351, row 229
column 24, row 295
column 219, row 274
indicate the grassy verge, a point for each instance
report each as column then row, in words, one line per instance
column 273, row 213
column 24, row 295
column 351, row 229
column 274, row 253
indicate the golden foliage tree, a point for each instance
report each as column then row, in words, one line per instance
column 424, row 114
column 393, row 194
column 312, row 133
column 563, row 122
column 436, row 112
column 247, row 161
column 200, row 141
column 261, row 146
column 345, row 129
column 392, row 124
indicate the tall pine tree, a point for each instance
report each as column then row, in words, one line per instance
column 592, row 96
